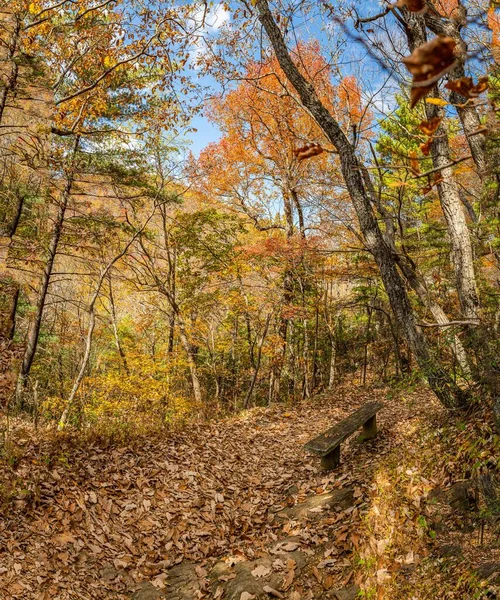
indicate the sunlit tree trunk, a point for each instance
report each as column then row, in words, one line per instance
column 193, row 369
column 10, row 77
column 440, row 381
column 90, row 330
column 461, row 246
column 114, row 323
column 467, row 112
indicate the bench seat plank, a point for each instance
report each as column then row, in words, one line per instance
column 328, row 441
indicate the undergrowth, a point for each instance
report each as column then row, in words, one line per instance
column 419, row 549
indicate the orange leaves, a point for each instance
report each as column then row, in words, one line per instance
column 350, row 100
column 494, row 26
column 465, row 86
column 414, row 164
column 307, row 151
column 428, row 63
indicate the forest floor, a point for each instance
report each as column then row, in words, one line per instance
column 236, row 509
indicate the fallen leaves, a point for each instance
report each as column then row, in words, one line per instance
column 261, row 571
column 272, row 592
column 137, row 512
column 428, row 63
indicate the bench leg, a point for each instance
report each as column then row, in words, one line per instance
column 331, row 460
column 370, row 428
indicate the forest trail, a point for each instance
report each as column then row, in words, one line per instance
column 154, row 521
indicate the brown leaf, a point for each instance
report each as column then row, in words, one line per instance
column 317, row 574
column 307, row 151
column 426, row 148
column 428, row 63
column 272, row 592
column 261, row 571
column 465, row 86
column 415, row 6
column 287, row 582
column 414, row 164
column 430, row 126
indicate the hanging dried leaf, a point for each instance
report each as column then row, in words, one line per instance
column 308, row 151
column 414, row 164
column 428, row 63
column 415, row 6
column 426, row 148
column 465, row 86
column 430, row 126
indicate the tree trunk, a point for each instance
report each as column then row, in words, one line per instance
column 257, row 364
column 34, row 328
column 437, row 312
column 11, row 78
column 193, row 369
column 461, row 246
column 90, row 330
column 118, row 344
column 441, row 383
column 467, row 112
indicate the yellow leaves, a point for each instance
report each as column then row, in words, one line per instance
column 108, row 62
column 397, row 184
column 437, row 101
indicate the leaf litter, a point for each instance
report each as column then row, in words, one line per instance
column 94, row 522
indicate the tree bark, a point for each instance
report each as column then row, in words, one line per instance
column 90, row 330
column 114, row 323
column 257, row 364
column 467, row 113
column 441, row 383
column 193, row 369
column 462, row 257
column 11, row 79
column 34, row 328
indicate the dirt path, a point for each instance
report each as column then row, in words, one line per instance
column 94, row 523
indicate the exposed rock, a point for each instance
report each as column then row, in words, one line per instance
column 460, row 496
column 348, row 593
column 147, row 591
column 182, row 582
column 489, row 571
column 449, row 550
column 315, row 507
column 238, row 578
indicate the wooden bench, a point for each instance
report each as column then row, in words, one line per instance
column 327, row 445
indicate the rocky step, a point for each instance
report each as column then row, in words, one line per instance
column 269, row 576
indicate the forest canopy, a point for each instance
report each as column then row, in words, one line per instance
column 231, row 232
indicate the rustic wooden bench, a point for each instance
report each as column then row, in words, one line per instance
column 327, row 445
